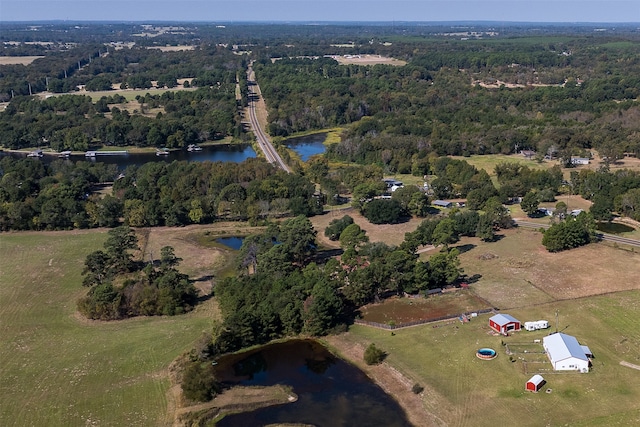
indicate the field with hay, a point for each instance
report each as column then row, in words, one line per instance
column 61, row 369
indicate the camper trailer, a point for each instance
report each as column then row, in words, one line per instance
column 534, row 326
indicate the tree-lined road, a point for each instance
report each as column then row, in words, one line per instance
column 262, row 138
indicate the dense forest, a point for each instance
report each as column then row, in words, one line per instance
column 62, row 195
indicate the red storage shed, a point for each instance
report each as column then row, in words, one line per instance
column 535, row 383
column 503, row 323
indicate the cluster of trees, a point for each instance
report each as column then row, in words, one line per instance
column 37, row 196
column 184, row 193
column 570, row 233
column 74, row 122
column 121, row 287
column 609, row 191
column 284, row 288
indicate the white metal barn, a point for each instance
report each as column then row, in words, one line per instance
column 565, row 353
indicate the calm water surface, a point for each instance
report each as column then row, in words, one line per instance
column 232, row 242
column 307, row 146
column 234, row 153
column 331, row 392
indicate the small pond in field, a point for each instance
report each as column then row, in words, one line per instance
column 613, row 227
column 307, row 146
column 232, row 242
column 331, row 392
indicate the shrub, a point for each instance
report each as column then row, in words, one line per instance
column 373, row 355
column 417, row 388
column 199, row 383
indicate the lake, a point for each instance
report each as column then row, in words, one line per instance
column 331, row 392
column 234, row 153
column 307, row 146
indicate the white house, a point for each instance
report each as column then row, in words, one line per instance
column 565, row 353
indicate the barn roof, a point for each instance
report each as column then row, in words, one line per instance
column 503, row 319
column 536, row 379
column 561, row 346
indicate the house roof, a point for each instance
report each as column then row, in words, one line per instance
column 441, row 203
column 587, row 350
column 561, row 346
column 503, row 319
column 536, row 379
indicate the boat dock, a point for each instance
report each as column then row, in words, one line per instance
column 106, row 153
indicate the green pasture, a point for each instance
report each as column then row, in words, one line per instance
column 488, row 162
column 61, row 370
column 464, row 390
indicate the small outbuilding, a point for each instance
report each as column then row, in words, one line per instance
column 504, row 323
column 535, row 383
column 442, row 203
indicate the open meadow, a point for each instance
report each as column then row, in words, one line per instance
column 61, row 369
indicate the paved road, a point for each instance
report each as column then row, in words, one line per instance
column 262, row 138
column 601, row 236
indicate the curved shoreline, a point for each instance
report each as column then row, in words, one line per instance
column 393, row 382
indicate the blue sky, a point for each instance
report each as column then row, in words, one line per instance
column 323, row 10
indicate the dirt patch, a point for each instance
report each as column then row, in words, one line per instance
column 391, row 381
column 404, row 310
column 367, row 60
column 391, row 234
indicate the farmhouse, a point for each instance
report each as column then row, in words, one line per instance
column 535, row 383
column 565, row 353
column 503, row 323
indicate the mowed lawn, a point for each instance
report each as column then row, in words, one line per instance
column 59, row 369
column 461, row 389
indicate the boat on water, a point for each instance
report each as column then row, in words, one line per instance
column 163, row 152
column 35, row 153
column 64, row 154
column 194, row 147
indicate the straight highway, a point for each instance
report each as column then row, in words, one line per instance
column 262, row 138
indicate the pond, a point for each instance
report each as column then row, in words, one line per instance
column 331, row 392
column 307, row 146
column 613, row 227
column 232, row 242
column 232, row 153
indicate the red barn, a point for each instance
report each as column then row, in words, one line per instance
column 503, row 323
column 535, row 383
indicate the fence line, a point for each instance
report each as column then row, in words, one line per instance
column 419, row 322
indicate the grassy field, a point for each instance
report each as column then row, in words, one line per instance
column 464, row 390
column 18, row 60
column 60, row 369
